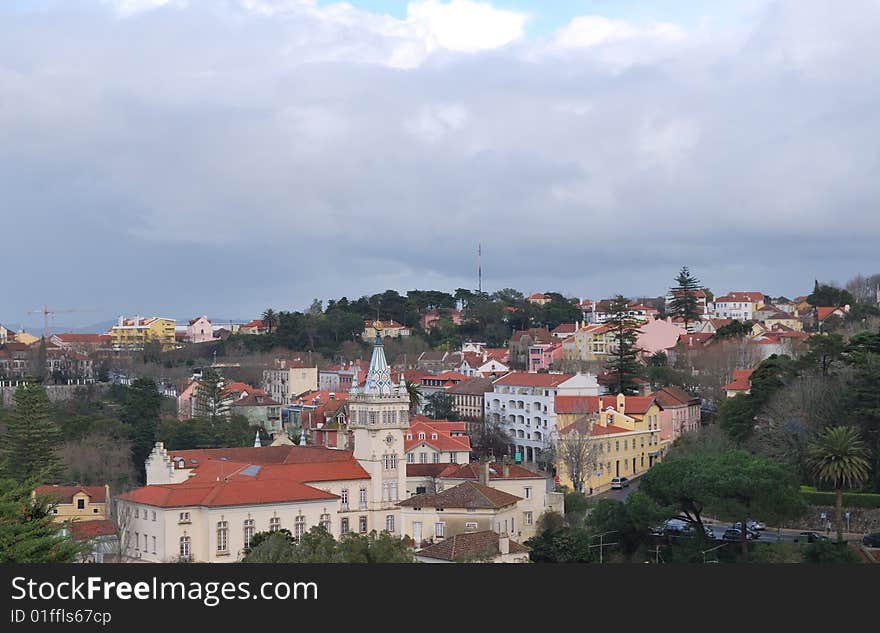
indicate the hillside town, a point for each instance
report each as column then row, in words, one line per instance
column 456, row 425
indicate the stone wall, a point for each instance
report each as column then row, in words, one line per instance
column 861, row 520
column 57, row 393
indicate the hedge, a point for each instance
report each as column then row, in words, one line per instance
column 850, row 499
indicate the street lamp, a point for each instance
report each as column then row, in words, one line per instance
column 601, row 544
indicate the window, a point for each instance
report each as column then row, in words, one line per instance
column 410, row 458
column 389, row 523
column 137, row 513
column 386, row 462
column 385, row 491
column 222, row 536
column 439, row 529
column 154, row 544
column 274, row 524
column 451, row 458
column 362, row 494
column 343, row 525
column 393, row 491
column 153, row 513
column 617, row 445
column 421, row 436
column 325, row 521
column 184, row 547
column 248, row 532
column 436, row 458
column 625, row 444
column 527, row 492
column 137, row 540
column 643, row 441
column 344, row 498
column 299, row 527
column 184, row 517
column 394, row 462
column 470, row 526
column 527, row 517
column 423, row 458
column 81, row 505
column 362, row 524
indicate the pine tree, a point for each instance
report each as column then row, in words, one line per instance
column 624, row 365
column 27, row 534
column 31, row 437
column 209, row 396
column 684, row 302
column 140, row 412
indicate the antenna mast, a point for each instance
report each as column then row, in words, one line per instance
column 480, row 268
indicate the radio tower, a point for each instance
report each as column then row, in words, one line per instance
column 480, row 268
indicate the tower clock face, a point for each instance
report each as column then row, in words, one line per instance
column 389, row 439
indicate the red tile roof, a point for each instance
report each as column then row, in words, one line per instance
column 64, row 494
column 598, row 429
column 741, row 380
column 443, row 442
column 85, row 530
column 70, row 337
column 523, row 379
column 469, row 546
column 496, row 471
column 578, row 404
column 672, row 396
column 224, row 493
column 468, row 494
column 825, row 312
column 742, row 297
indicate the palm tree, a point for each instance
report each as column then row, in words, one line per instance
column 415, row 396
column 839, row 456
column 270, row 319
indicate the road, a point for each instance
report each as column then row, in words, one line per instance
column 770, row 535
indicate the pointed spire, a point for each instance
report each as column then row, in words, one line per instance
column 302, row 438
column 257, row 443
column 378, row 381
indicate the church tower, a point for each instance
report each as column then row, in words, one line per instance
column 379, row 418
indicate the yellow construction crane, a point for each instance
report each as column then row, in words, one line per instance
column 46, row 312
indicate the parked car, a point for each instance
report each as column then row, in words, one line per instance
column 872, row 540
column 677, row 527
column 735, row 534
column 620, row 482
column 738, row 526
column 810, row 537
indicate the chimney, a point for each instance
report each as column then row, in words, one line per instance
column 505, row 467
column 484, row 471
column 503, row 544
column 121, row 320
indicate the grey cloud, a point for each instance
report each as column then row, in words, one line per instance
column 204, row 159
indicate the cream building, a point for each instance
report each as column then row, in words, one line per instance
column 79, row 503
column 286, row 384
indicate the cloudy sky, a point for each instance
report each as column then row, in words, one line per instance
column 180, row 157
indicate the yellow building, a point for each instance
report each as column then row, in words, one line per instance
column 135, row 333
column 27, row 339
column 589, row 343
column 78, row 503
column 391, row 329
column 784, row 319
column 624, row 440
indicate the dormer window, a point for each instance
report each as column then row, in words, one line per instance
column 433, row 436
column 421, row 436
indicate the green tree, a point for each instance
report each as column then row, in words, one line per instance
column 824, row 295
column 415, row 396
column 271, row 547
column 824, row 351
column 623, row 365
column 440, row 406
column 209, row 396
column 27, row 532
column 737, row 417
column 734, row 329
column 751, row 485
column 31, row 437
column 375, row 547
column 684, row 487
column 140, row 412
column 270, row 320
column 684, row 302
column 839, row 456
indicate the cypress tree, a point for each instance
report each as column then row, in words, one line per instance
column 624, row 365
column 140, row 412
column 27, row 533
column 31, row 437
column 684, row 300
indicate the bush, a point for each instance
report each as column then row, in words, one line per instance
column 829, row 553
column 850, row 499
column 776, row 553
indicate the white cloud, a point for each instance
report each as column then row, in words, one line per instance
column 592, row 30
column 132, row 7
column 433, row 122
column 461, row 25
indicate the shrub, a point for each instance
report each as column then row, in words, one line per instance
column 829, row 553
column 850, row 499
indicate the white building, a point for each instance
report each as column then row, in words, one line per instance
column 523, row 403
column 199, row 330
column 285, row 385
column 737, row 305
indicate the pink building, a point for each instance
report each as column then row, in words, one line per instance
column 679, row 412
column 659, row 336
column 543, row 355
column 199, row 330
